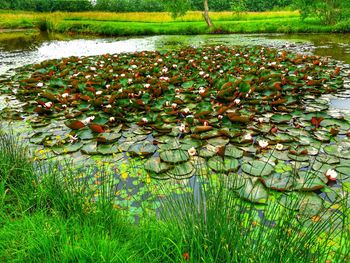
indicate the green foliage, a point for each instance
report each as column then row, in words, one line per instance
column 258, row 5
column 177, row 7
column 329, row 11
column 47, row 5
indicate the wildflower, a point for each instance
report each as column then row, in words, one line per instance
column 160, row 60
column 221, row 71
column 92, row 68
column 99, row 92
column 48, row 104
column 279, row 147
column 192, row 151
column 144, row 120
column 260, row 120
column 201, row 90
column 186, row 110
column 237, row 101
column 133, row 66
column 40, row 84
column 174, row 66
column 201, row 73
column 331, row 174
column 167, row 103
column 111, row 119
column 72, row 138
column 205, row 123
column 220, row 117
column 88, row 76
column 146, row 85
column 65, row 95
column 129, row 81
column 108, row 106
column 309, row 77
column 174, row 105
column 191, row 61
column 108, row 86
column 165, row 70
column 64, row 106
column 122, row 75
column 205, row 58
column 177, row 90
column 263, row 143
column 206, row 76
column 248, row 137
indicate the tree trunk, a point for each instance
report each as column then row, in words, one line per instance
column 206, row 14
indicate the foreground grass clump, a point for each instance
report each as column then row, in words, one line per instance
column 58, row 224
column 128, row 24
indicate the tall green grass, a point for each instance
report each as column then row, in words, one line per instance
column 47, row 214
column 128, row 24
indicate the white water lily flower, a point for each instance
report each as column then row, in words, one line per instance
column 164, row 78
column 182, row 128
column 192, row 151
column 331, row 174
column 237, row 101
column 144, row 120
column 263, row 143
column 65, row 95
column 99, row 92
column 109, row 106
column 111, row 119
column 72, row 138
column 48, row 104
column 88, row 120
column 248, row 137
column 279, row 147
column 40, row 84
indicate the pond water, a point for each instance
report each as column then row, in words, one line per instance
column 23, row 48
column 18, row 48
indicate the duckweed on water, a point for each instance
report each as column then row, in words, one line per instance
column 225, row 107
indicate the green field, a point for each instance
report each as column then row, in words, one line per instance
column 126, row 24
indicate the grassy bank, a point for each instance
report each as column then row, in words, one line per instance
column 162, row 23
column 48, row 215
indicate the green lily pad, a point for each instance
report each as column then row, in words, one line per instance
column 182, row 171
column 142, row 148
column 232, row 151
column 279, row 181
column 156, row 165
column 90, row 148
column 68, row 148
column 223, row 165
column 108, row 137
column 253, row 192
column 108, row 149
column 257, row 168
column 174, row 156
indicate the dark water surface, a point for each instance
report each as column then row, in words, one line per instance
column 18, row 48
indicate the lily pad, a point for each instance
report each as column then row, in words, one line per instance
column 223, row 165
column 257, row 168
column 174, row 156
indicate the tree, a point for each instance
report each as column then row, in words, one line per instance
column 330, row 11
column 180, row 7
